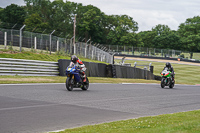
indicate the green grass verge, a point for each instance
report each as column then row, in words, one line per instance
column 60, row 79
column 184, row 74
column 184, row 122
column 43, row 56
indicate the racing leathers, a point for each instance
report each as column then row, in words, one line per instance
column 81, row 66
column 171, row 69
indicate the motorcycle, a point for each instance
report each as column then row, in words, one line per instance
column 167, row 79
column 75, row 79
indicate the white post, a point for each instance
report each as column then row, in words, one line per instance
column 92, row 54
column 86, row 50
column 5, row 40
column 57, row 45
column 35, row 43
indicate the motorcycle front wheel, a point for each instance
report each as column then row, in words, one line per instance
column 162, row 84
column 69, row 84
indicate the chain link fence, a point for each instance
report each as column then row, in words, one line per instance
column 142, row 51
column 11, row 37
column 48, row 42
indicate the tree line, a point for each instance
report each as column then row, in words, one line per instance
column 44, row 16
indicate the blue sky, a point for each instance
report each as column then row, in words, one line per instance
column 147, row 13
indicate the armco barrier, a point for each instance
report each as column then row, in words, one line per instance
column 10, row 66
column 103, row 70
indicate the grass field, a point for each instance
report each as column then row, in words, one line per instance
column 184, row 122
column 184, row 74
column 58, row 79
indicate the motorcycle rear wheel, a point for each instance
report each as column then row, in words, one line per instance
column 68, row 84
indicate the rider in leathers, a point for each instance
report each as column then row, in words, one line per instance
column 76, row 61
column 171, row 69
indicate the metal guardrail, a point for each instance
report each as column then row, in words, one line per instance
column 9, row 66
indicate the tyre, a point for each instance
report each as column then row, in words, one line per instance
column 85, row 85
column 172, row 84
column 162, row 84
column 69, row 84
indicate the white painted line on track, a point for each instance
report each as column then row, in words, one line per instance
column 31, row 84
column 92, row 83
column 24, row 107
column 45, row 84
column 155, row 84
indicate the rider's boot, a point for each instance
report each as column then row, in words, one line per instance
column 173, row 79
column 84, row 77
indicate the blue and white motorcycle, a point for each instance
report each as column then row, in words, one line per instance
column 75, row 79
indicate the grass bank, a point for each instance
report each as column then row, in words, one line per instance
column 184, row 122
column 43, row 56
column 184, row 74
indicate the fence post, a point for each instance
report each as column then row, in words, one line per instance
column 50, row 40
column 5, row 40
column 71, row 45
column 35, row 42
column 20, row 40
column 92, row 55
column 86, row 50
column 57, row 45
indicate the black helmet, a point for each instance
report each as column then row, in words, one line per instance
column 168, row 65
column 74, row 58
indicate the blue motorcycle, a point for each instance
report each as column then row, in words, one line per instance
column 75, row 79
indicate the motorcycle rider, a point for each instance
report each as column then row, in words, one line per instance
column 76, row 61
column 170, row 68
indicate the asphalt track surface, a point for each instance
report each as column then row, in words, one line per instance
column 49, row 107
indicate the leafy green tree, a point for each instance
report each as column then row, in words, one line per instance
column 159, row 29
column 147, row 38
column 120, row 27
column 167, row 40
column 89, row 23
column 13, row 14
column 34, row 23
column 190, row 34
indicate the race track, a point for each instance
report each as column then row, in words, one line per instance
column 40, row 108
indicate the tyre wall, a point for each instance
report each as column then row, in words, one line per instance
column 103, row 70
